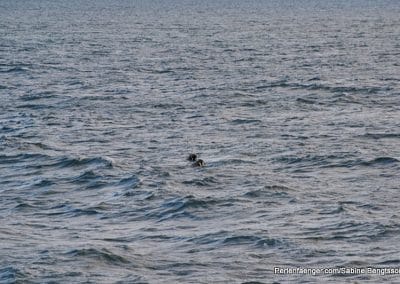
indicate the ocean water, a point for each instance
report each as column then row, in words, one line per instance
column 293, row 105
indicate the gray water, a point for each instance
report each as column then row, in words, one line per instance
column 293, row 105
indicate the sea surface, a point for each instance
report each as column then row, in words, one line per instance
column 293, row 105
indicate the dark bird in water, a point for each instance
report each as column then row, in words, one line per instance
column 199, row 163
column 192, row 157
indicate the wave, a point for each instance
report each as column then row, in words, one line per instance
column 239, row 121
column 390, row 262
column 333, row 160
column 66, row 162
column 70, row 211
column 226, row 238
column 284, row 83
column 378, row 136
column 24, row 206
column 13, row 159
column 42, row 161
column 307, row 101
column 338, row 89
column 36, row 106
column 10, row 274
column 42, row 183
column 379, row 161
column 231, row 162
column 207, row 181
column 276, row 191
column 307, row 160
column 315, row 99
column 103, row 255
column 348, row 230
column 16, row 69
column 255, row 241
column 38, row 96
column 129, row 182
column 6, row 129
column 182, row 207
column 335, row 210
column 90, row 179
column 138, row 194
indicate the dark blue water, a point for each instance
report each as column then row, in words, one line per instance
column 293, row 105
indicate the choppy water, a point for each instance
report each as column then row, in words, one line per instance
column 294, row 106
